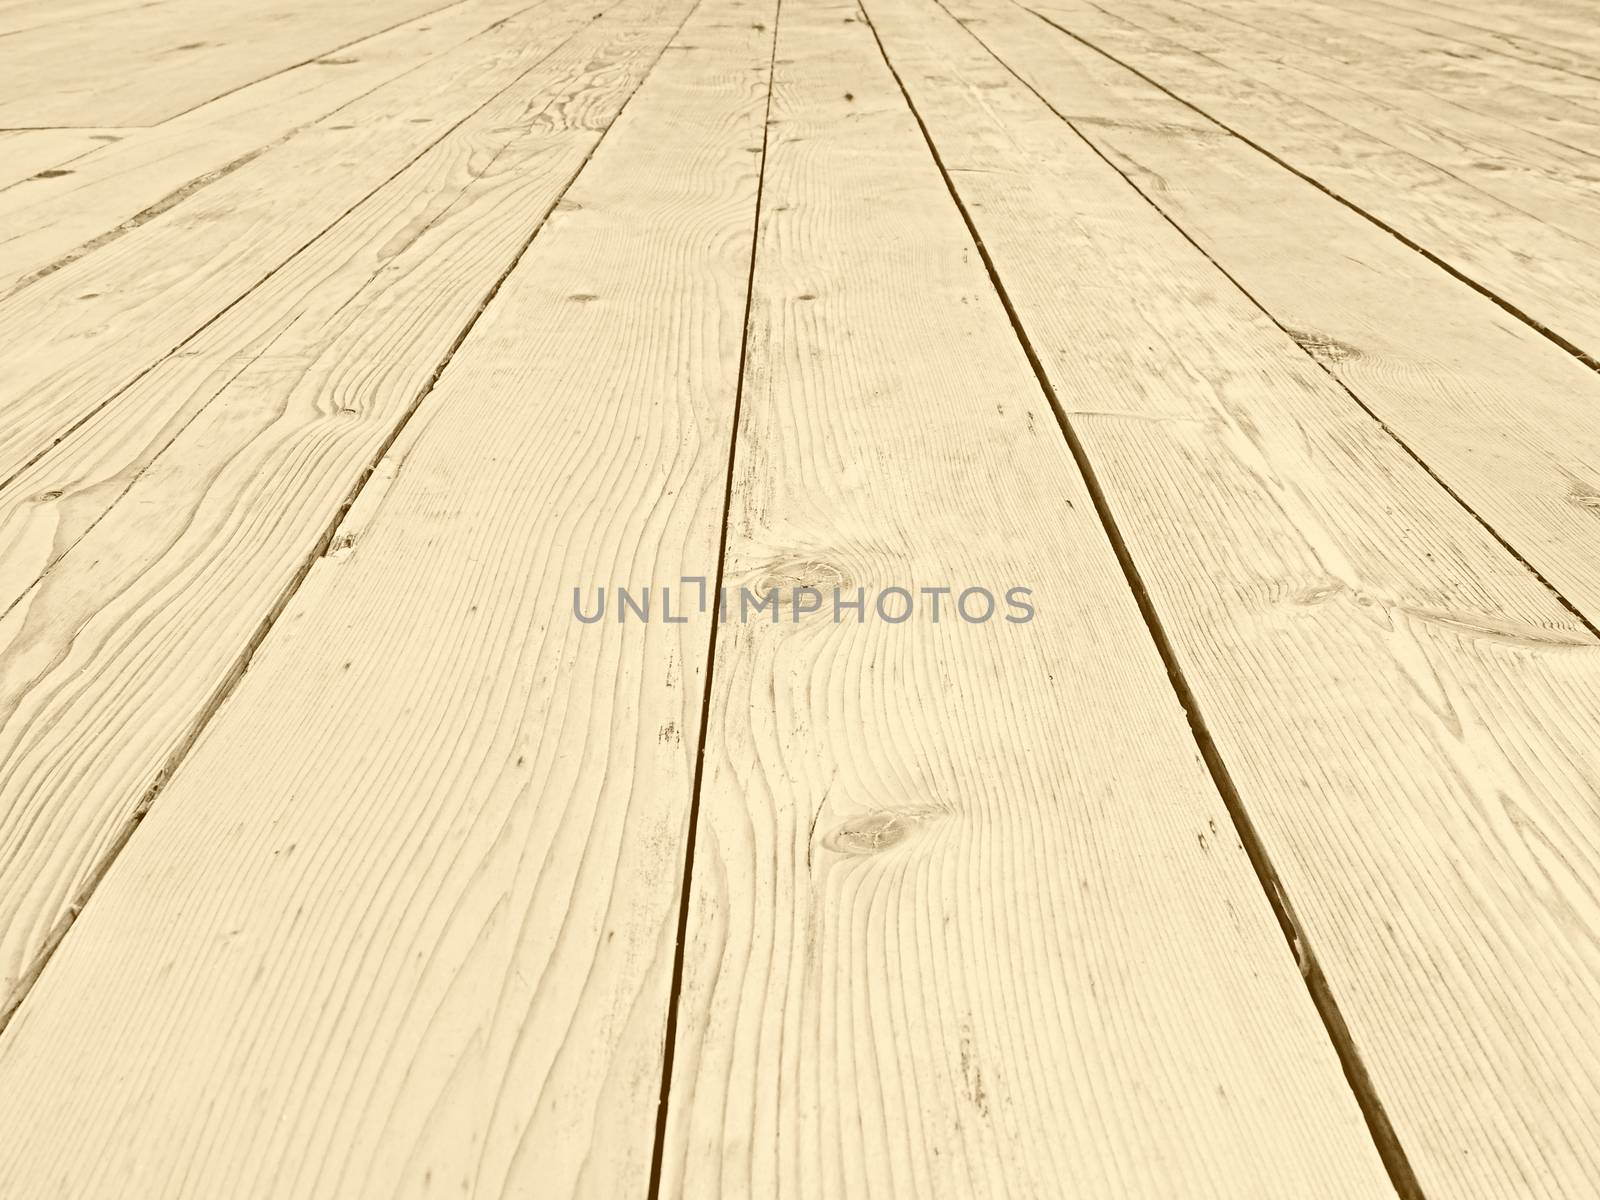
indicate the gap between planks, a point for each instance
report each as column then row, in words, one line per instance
column 1411, row 244
column 1394, row 1158
column 686, row 875
column 1577, row 614
column 323, row 545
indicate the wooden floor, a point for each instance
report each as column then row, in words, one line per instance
column 1243, row 353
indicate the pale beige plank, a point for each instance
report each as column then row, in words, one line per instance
column 1524, row 94
column 403, row 923
column 1508, row 44
column 139, row 172
column 143, row 65
column 1531, row 173
column 20, row 15
column 24, row 153
column 1406, row 713
column 80, row 334
column 224, row 474
column 1549, row 24
column 1505, row 418
column 969, row 918
column 1542, row 271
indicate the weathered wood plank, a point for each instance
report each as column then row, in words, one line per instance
column 968, row 916
column 1531, row 173
column 1405, row 712
column 141, row 171
column 143, row 65
column 24, row 153
column 1542, row 271
column 82, row 333
column 1406, row 59
column 409, row 908
column 1503, row 418
column 223, row 476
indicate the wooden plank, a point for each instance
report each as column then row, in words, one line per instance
column 231, row 484
column 950, row 934
column 1526, row 95
column 1532, row 173
column 1542, row 272
column 1501, row 43
column 1501, row 416
column 144, row 171
column 440, row 889
column 37, row 14
column 26, row 152
column 144, row 65
column 81, row 333
column 1543, row 23
column 1404, row 712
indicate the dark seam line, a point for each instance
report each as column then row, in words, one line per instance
column 1568, row 605
column 422, row 16
column 66, row 433
column 674, row 997
column 1356, row 1075
column 219, row 697
column 1308, row 49
column 1516, row 312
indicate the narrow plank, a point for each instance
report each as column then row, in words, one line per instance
column 1544, row 23
column 1539, row 270
column 144, row 65
column 1526, row 95
column 144, row 171
column 1405, row 713
column 968, row 917
column 220, row 493
column 26, row 152
column 1503, row 417
column 424, row 941
column 1506, row 44
column 83, row 332
column 1532, row 173
column 36, row 14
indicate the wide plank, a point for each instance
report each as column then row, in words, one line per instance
column 1406, row 59
column 224, row 477
column 83, row 332
column 1546, row 275
column 968, row 916
column 1404, row 712
column 403, row 922
column 1499, row 414
column 1527, row 171
column 29, row 154
column 147, row 64
column 137, row 173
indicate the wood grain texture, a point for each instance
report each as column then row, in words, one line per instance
column 221, row 492
column 968, row 916
column 1541, row 270
column 85, row 331
column 25, row 153
column 424, row 942
column 1501, row 416
column 1533, row 173
column 1539, row 100
column 136, row 173
column 145, row 64
column 1468, row 34
column 1405, row 712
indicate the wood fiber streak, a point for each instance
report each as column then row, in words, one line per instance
column 968, row 918
column 1405, row 712
column 111, row 661
column 425, row 946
